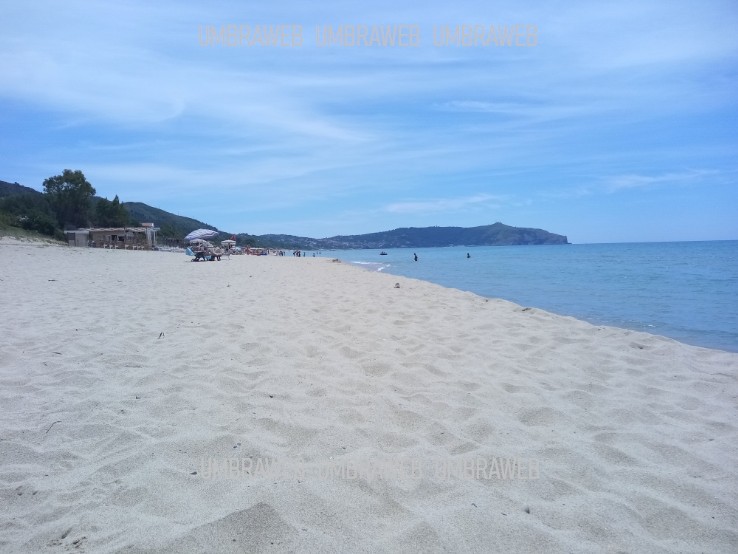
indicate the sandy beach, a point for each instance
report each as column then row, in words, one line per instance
column 267, row 404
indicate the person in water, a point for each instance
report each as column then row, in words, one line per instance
column 415, row 256
column 468, row 255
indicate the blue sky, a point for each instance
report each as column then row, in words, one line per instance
column 620, row 124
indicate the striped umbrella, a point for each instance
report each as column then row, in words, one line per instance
column 201, row 234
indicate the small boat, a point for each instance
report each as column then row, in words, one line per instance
column 383, row 253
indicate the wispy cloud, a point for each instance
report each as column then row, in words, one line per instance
column 634, row 181
column 534, row 110
column 444, row 204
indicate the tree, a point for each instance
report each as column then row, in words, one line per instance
column 111, row 214
column 69, row 196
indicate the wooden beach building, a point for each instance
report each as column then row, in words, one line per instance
column 127, row 238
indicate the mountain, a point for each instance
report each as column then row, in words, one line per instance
column 497, row 234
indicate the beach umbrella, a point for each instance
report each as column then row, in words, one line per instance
column 201, row 234
column 225, row 242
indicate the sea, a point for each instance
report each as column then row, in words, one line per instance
column 687, row 291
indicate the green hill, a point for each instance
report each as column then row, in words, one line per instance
column 14, row 189
column 172, row 225
column 497, row 234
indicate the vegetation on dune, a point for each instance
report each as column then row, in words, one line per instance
column 68, row 202
column 29, row 212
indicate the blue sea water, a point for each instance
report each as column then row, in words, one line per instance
column 684, row 290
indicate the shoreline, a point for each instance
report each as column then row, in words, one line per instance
column 709, row 325
column 33, row 241
column 125, row 369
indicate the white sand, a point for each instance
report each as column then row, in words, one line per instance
column 121, row 371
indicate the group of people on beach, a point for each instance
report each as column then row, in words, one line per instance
column 206, row 252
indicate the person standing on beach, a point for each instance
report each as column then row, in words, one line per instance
column 415, row 256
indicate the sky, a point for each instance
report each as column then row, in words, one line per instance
column 605, row 122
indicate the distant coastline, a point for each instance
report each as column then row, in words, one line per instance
column 174, row 227
column 497, row 234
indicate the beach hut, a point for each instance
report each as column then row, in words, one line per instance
column 78, row 237
column 143, row 237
